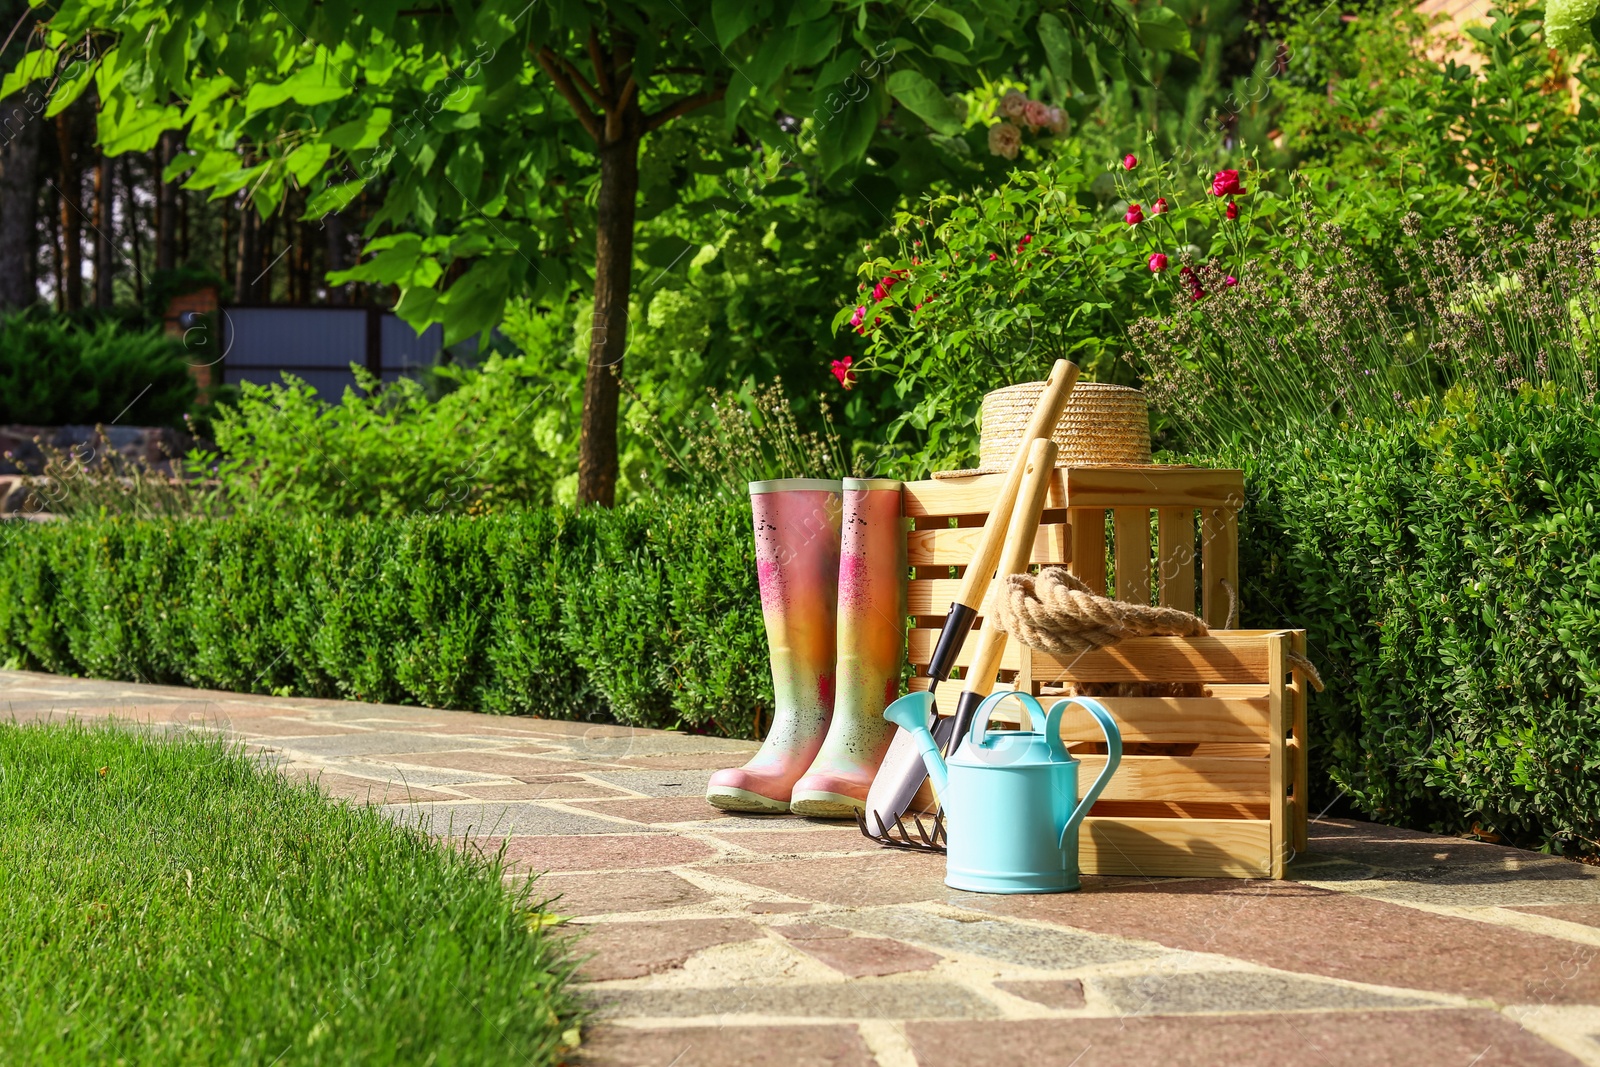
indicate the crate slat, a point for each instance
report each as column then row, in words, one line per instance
column 1132, row 529
column 1182, row 779
column 1219, row 565
column 1278, row 795
column 1229, row 656
column 1300, row 752
column 1089, row 487
column 955, row 547
column 1175, row 558
column 1088, row 536
column 1194, row 848
column 1168, row 720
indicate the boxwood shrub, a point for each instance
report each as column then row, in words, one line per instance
column 649, row 614
column 1448, row 572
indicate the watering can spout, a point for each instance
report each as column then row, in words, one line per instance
column 911, row 713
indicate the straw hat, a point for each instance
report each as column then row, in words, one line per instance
column 1103, row 425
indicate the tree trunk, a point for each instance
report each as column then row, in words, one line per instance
column 608, row 335
column 335, row 257
column 166, row 205
column 69, row 185
column 131, row 214
column 104, row 195
column 54, row 215
column 19, row 165
column 248, row 264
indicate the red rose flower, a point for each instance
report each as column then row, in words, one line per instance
column 1226, row 183
column 1233, row 211
column 842, row 371
column 1130, row 161
column 1160, row 206
column 1134, row 215
column 1158, row 262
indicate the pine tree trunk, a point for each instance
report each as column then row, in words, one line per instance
column 166, row 205
column 247, row 265
column 104, row 195
column 335, row 257
column 70, row 186
column 19, row 165
column 613, row 279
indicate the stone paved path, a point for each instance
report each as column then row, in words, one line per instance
column 718, row 939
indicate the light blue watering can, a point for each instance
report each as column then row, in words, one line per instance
column 1010, row 797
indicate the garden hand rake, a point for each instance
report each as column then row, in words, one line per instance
column 886, row 807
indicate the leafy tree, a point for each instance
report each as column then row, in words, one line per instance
column 502, row 138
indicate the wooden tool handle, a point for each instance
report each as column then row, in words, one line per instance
column 1046, row 414
column 1038, row 465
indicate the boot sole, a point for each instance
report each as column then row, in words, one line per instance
column 730, row 799
column 821, row 805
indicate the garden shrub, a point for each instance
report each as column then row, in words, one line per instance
column 479, row 447
column 649, row 614
column 55, row 371
column 1447, row 569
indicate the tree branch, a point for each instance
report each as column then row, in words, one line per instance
column 602, row 76
column 552, row 66
column 576, row 77
column 683, row 106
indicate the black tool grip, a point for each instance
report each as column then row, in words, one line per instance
column 961, row 721
column 956, row 625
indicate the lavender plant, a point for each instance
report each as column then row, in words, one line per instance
column 744, row 435
column 1317, row 338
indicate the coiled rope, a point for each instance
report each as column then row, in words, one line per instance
column 1056, row 612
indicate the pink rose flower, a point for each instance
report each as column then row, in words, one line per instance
column 860, row 316
column 1159, row 207
column 1229, row 282
column 1004, row 140
column 1130, row 161
column 1232, row 212
column 1134, row 215
column 1158, row 262
column 1036, row 114
column 1013, row 104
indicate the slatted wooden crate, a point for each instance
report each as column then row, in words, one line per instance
column 1209, row 785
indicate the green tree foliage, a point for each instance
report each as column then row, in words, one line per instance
column 1515, row 132
column 504, row 138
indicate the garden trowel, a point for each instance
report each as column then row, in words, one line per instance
column 902, row 772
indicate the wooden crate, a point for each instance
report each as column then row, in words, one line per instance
column 1211, row 785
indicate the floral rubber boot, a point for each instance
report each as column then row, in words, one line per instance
column 797, row 560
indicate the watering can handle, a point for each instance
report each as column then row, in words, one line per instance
column 980, row 719
column 1108, row 726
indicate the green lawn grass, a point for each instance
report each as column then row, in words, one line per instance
column 164, row 900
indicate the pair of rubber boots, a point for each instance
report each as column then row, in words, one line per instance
column 831, row 559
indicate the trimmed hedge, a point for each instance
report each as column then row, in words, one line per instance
column 1448, row 573
column 648, row 614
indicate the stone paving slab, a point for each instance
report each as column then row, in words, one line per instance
column 713, row 939
column 1346, row 1039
